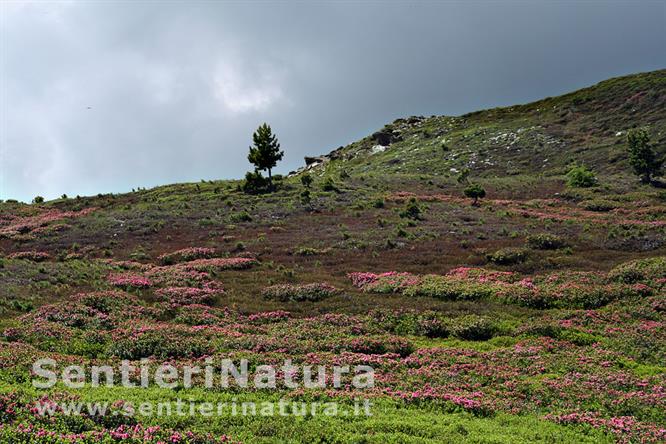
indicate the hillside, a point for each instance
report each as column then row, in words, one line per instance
column 536, row 316
column 587, row 126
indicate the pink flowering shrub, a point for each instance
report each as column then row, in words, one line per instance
column 390, row 282
column 297, row 293
column 25, row 227
column 626, row 428
column 129, row 281
column 380, row 346
column 219, row 264
column 35, row 256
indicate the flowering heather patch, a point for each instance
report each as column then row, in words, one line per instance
column 641, row 270
column 189, row 295
column 219, row 264
column 35, row 256
column 186, row 254
column 573, row 289
column 380, row 346
column 128, row 281
column 160, row 340
column 534, row 372
column 127, row 265
column 389, row 282
column 175, row 276
column 308, row 292
column 626, row 428
column 194, row 314
column 20, row 226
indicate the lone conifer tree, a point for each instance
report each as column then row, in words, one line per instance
column 265, row 152
column 641, row 157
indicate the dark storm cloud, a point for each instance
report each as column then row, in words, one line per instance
column 103, row 96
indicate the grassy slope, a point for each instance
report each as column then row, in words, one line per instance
column 544, row 137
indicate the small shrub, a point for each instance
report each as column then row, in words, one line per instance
column 306, row 180
column 380, row 346
column 476, row 192
column 446, row 288
column 255, row 183
column 598, row 205
column 581, row 177
column 243, row 216
column 508, row 256
column 412, row 210
column 297, row 293
column 35, row 256
column 473, row 328
column 38, row 200
column 640, row 270
column 309, row 251
column 329, row 185
column 186, row 254
column 545, row 241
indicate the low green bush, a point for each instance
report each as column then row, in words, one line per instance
column 473, row 328
column 545, row 241
column 599, row 205
column 508, row 256
column 581, row 177
column 640, row 270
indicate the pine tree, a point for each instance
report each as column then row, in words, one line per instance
column 641, row 157
column 265, row 152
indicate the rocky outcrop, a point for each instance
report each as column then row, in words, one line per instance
column 386, row 136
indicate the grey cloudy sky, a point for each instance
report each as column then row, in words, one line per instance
column 108, row 96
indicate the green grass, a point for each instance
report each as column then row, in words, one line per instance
column 391, row 421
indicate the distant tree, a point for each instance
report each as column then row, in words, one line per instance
column 38, row 200
column 641, row 156
column 306, row 180
column 265, row 152
column 476, row 192
column 581, row 177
